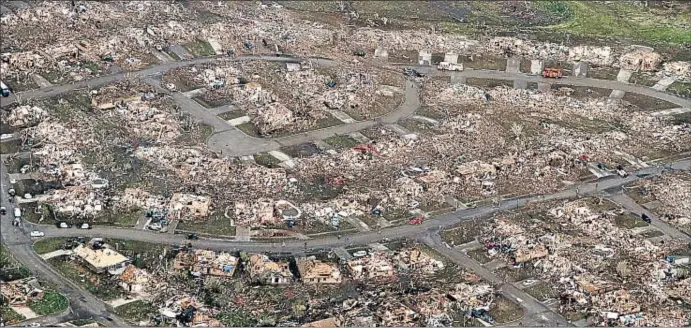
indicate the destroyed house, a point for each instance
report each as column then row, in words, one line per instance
column 313, row 271
column 415, row 259
column 110, row 104
column 20, row 292
column 206, row 262
column 134, row 280
column 370, row 267
column 328, row 322
column 528, row 254
column 264, row 271
column 190, row 205
column 101, row 259
column 593, row 287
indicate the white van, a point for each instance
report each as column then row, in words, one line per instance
column 37, row 233
column 17, row 212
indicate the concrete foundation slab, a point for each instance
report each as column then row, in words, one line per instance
column 617, row 94
column 239, row 120
column 580, row 69
column 544, row 86
column 536, row 66
column 624, row 75
column 455, row 79
column 520, row 84
column 513, row 65
column 663, row 84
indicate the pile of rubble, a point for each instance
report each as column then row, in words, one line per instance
column 679, row 70
column 640, row 60
column 415, row 259
column 413, row 40
column 25, row 116
column 672, row 191
column 510, row 46
column 585, row 242
column 187, row 163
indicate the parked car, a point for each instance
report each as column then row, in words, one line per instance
column 62, row 225
column 3, row 210
column 645, row 218
column 85, row 225
column 192, row 236
column 17, row 212
column 37, row 233
column 417, row 220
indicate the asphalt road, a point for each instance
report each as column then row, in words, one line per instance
column 361, row 237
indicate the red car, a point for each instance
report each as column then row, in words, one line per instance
column 416, row 220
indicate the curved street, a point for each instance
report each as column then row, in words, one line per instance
column 232, row 142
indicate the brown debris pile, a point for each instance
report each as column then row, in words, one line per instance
column 607, row 273
column 25, row 116
column 672, row 190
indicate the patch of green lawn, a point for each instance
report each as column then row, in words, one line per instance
column 52, row 302
column 200, row 48
column 99, row 285
column 218, row 226
column 135, row 311
column 47, row 245
column 617, row 19
column 9, row 316
column 10, row 269
column 341, row 142
column 266, row 159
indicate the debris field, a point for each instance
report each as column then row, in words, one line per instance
column 598, row 269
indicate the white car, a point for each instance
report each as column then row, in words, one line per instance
column 17, row 212
column 37, row 233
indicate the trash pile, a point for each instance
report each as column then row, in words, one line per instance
column 679, row 70
column 554, row 112
column 25, row 116
column 608, row 274
column 640, row 60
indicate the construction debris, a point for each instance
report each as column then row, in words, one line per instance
column 577, row 257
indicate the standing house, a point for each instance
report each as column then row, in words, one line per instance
column 264, row 271
column 313, row 271
column 101, row 259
